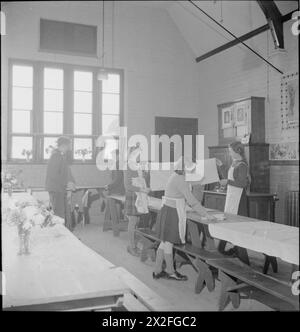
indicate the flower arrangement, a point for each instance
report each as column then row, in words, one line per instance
column 27, row 154
column 83, row 153
column 49, row 149
column 27, row 214
column 11, row 180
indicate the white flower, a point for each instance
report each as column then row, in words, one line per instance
column 27, row 225
column 38, row 219
column 30, row 212
column 8, row 176
column 58, row 220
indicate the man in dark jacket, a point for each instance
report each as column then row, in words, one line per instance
column 59, row 179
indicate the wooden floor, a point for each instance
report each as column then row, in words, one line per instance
column 180, row 294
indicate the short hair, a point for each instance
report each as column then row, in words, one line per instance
column 63, row 140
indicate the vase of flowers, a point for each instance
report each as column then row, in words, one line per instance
column 18, row 218
column 24, row 236
column 10, row 180
column 27, row 154
column 27, row 214
column 83, row 153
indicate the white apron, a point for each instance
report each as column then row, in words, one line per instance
column 233, row 195
column 141, row 202
column 180, row 205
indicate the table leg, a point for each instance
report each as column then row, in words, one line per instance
column 270, row 260
column 68, row 212
column 210, row 242
column 221, row 246
column 107, row 218
column 242, row 254
column 193, row 231
column 114, row 216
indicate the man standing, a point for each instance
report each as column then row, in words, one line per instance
column 59, row 180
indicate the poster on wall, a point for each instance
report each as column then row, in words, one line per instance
column 284, row 151
column 290, row 101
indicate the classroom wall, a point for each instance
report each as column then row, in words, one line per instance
column 160, row 71
column 237, row 73
column 161, row 75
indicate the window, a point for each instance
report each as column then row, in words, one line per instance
column 83, row 114
column 48, row 100
column 111, row 105
column 22, row 107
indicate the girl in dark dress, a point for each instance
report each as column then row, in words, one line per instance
column 237, row 183
column 171, row 223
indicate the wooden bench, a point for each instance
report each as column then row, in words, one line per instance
column 239, row 279
column 197, row 257
column 142, row 294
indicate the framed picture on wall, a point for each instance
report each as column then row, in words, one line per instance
column 284, row 151
column 290, row 101
column 227, row 117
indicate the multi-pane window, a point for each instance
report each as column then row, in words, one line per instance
column 53, row 101
column 83, row 114
column 21, row 116
column 53, row 106
column 111, row 104
column 50, row 100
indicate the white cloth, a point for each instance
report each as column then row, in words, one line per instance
column 141, row 202
column 85, row 198
column 272, row 239
column 233, row 195
column 181, row 212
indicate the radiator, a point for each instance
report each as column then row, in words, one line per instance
column 292, row 208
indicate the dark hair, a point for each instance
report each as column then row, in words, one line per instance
column 63, row 140
column 238, row 147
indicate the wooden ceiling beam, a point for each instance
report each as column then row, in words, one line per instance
column 273, row 17
column 245, row 37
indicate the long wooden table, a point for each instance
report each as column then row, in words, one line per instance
column 60, row 272
column 198, row 227
column 272, row 239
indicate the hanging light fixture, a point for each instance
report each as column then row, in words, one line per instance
column 102, row 73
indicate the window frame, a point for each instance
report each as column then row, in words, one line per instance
column 37, row 113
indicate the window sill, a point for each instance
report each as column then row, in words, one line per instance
column 16, row 162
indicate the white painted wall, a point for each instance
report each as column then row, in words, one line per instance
column 237, row 73
column 160, row 71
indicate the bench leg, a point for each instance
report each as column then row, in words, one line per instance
column 226, row 297
column 270, row 260
column 146, row 246
column 148, row 249
column 205, row 277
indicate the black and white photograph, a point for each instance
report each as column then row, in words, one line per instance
column 149, row 159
